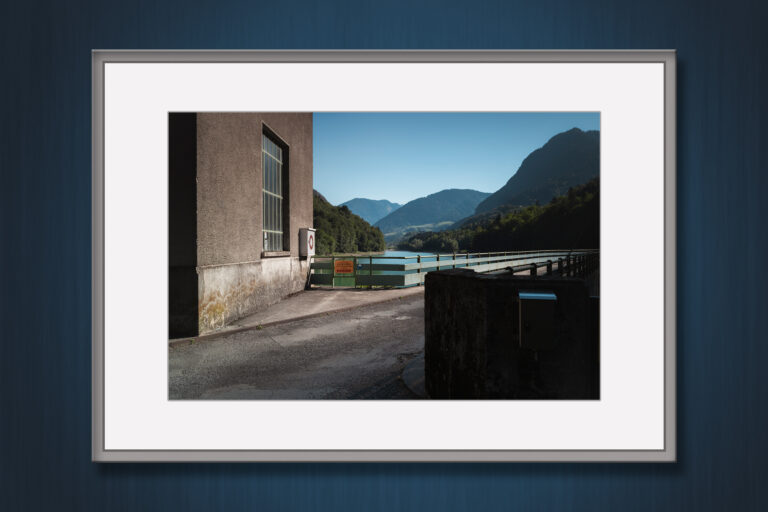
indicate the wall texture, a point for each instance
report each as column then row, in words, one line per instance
column 45, row 224
column 232, row 276
column 229, row 191
column 472, row 338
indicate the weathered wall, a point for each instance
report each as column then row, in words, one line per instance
column 472, row 347
column 230, row 292
column 229, row 191
column 234, row 278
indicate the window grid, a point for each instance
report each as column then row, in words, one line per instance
column 272, row 197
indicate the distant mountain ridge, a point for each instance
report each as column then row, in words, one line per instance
column 341, row 231
column 434, row 212
column 570, row 221
column 568, row 159
column 371, row 210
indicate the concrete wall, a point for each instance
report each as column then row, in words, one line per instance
column 230, row 292
column 234, row 276
column 472, row 343
column 229, row 191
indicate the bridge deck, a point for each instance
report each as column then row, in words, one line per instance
column 393, row 271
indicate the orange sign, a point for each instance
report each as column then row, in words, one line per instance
column 343, row 266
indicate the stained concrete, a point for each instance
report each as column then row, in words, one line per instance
column 219, row 271
column 230, row 292
column 357, row 353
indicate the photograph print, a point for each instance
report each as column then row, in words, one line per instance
column 384, row 256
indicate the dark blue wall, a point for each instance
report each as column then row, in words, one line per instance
column 45, row 254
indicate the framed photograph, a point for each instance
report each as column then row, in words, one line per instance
column 384, row 256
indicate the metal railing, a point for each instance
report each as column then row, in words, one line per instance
column 404, row 271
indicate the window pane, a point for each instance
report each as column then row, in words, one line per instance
column 272, row 212
column 271, row 175
column 272, row 195
column 279, row 180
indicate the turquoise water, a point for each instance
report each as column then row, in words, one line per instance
column 405, row 253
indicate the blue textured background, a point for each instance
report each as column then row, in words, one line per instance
column 45, row 254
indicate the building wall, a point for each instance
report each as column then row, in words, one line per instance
column 234, row 276
column 182, row 224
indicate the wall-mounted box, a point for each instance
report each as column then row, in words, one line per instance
column 307, row 242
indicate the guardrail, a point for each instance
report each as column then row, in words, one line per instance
column 403, row 271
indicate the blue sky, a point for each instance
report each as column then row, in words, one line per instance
column 403, row 156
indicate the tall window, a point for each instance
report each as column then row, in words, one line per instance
column 272, row 170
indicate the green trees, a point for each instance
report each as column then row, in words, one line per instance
column 443, row 241
column 341, row 231
column 568, row 222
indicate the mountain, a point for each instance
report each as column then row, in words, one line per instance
column 435, row 212
column 371, row 210
column 570, row 221
column 341, row 231
column 566, row 160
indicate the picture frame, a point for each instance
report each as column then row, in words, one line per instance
column 131, row 84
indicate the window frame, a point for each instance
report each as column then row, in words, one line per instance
column 275, row 218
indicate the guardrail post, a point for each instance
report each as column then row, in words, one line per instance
column 454, row 260
column 560, row 266
column 549, row 267
column 418, row 270
column 370, row 272
column 534, row 270
column 333, row 271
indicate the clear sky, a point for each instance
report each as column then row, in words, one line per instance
column 403, row 156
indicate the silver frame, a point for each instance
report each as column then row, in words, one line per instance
column 666, row 57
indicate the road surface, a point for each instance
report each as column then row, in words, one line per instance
column 353, row 354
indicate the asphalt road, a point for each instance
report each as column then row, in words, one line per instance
column 354, row 354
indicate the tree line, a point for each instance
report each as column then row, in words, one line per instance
column 341, row 231
column 569, row 221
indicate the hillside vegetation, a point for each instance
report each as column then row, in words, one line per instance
column 568, row 159
column 570, row 221
column 434, row 212
column 341, row 231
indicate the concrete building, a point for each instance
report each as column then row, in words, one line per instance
column 240, row 189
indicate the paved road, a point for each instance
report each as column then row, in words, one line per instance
column 354, row 354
